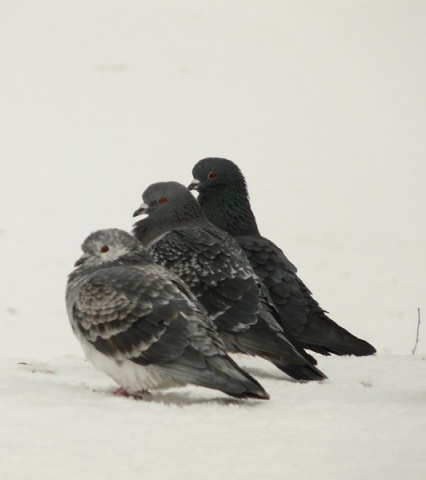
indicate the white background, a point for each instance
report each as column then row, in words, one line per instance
column 322, row 104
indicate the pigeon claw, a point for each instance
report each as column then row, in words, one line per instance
column 121, row 392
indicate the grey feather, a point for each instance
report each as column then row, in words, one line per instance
column 180, row 238
column 224, row 199
column 141, row 325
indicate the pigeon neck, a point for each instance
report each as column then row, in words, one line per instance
column 149, row 229
column 229, row 209
column 133, row 258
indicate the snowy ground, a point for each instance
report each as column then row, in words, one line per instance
column 368, row 422
column 323, row 106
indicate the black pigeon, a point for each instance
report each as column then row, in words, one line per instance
column 211, row 263
column 224, row 199
column 140, row 324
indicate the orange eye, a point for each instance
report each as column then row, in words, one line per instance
column 162, row 200
column 211, row 175
column 104, row 249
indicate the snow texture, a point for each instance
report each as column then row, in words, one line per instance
column 323, row 106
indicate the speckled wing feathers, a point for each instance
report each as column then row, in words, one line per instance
column 141, row 325
column 222, row 284
column 125, row 313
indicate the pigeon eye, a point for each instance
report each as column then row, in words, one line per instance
column 162, row 200
column 211, row 175
column 104, row 249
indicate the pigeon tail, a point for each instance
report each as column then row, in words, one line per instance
column 300, row 372
column 241, row 384
column 333, row 339
column 261, row 341
column 220, row 372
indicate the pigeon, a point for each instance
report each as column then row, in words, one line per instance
column 179, row 237
column 224, row 199
column 140, row 324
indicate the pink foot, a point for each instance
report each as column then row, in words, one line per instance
column 121, row 392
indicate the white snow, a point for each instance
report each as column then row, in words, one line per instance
column 323, row 106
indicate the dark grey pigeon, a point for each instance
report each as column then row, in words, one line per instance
column 211, row 263
column 224, row 199
column 140, row 324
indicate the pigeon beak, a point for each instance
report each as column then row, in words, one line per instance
column 194, row 184
column 81, row 260
column 142, row 209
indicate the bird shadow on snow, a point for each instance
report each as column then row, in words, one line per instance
column 182, row 398
column 64, row 377
column 260, row 373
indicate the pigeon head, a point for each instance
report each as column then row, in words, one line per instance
column 110, row 246
column 213, row 173
column 223, row 196
column 168, row 205
column 170, row 201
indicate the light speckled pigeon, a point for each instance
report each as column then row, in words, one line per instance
column 211, row 263
column 224, row 199
column 139, row 323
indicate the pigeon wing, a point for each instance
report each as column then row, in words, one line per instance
column 303, row 317
column 130, row 313
column 211, row 264
column 279, row 276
